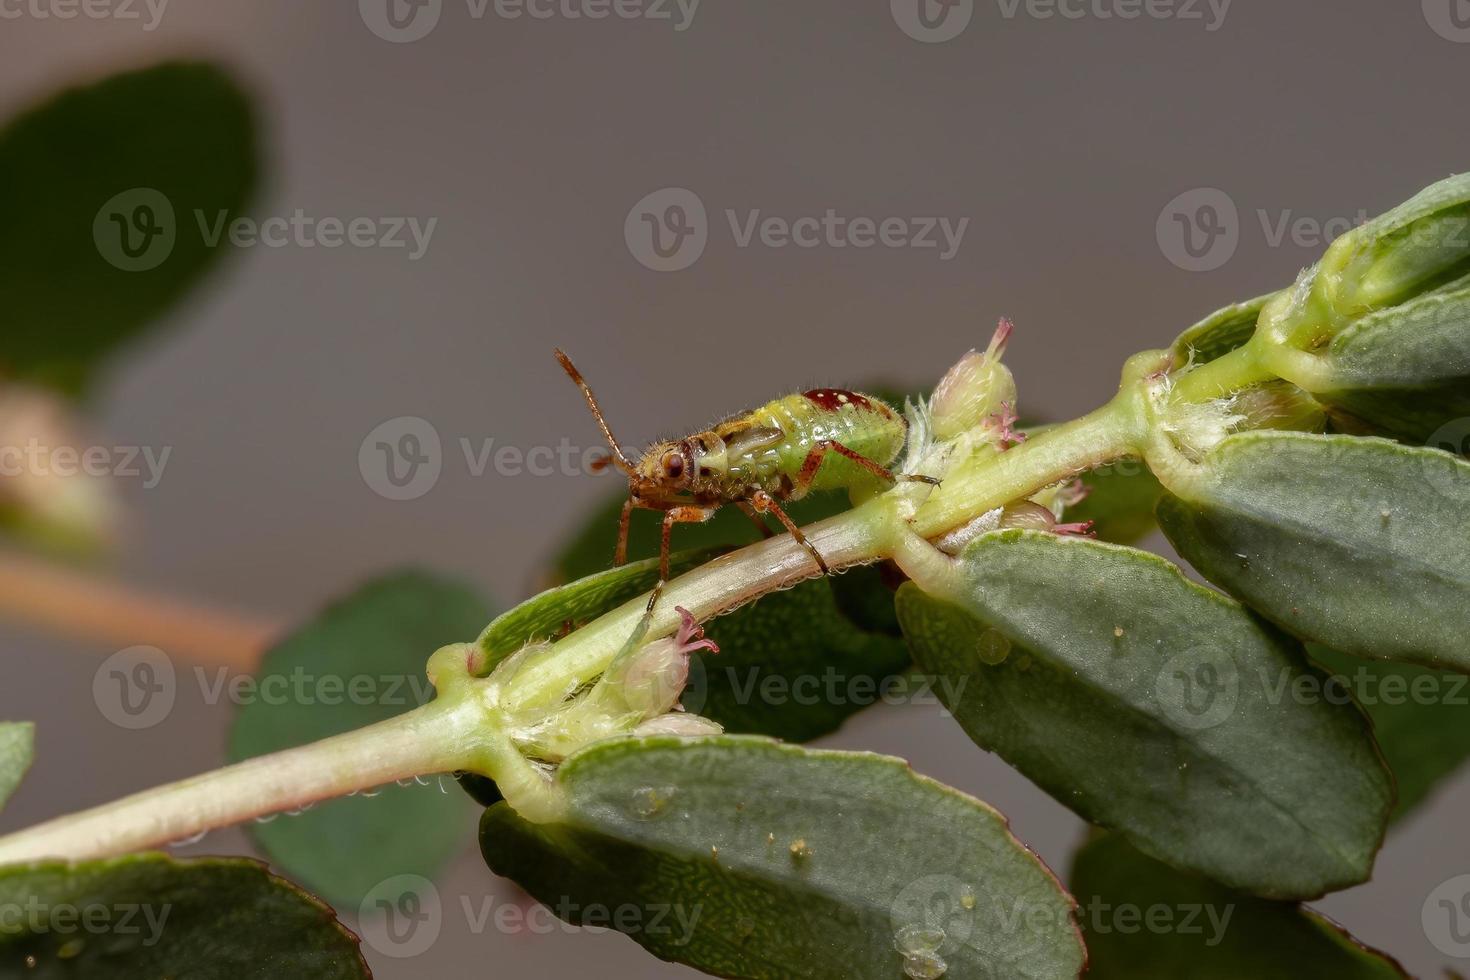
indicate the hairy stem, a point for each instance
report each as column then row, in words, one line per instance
column 438, row 737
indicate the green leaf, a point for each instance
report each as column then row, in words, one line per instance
column 545, row 616
column 1219, row 333
column 361, row 661
column 1121, row 504
column 152, row 916
column 745, row 858
column 1360, row 544
column 1406, row 369
column 167, row 147
column 1145, row 921
column 793, row 666
column 1421, row 718
column 1155, row 706
column 1418, row 246
column 17, row 748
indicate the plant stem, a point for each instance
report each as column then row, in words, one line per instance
column 438, row 737
column 73, row 604
column 1057, row 454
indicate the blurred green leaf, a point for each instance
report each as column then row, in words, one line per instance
column 1149, row 704
column 152, row 916
column 1145, row 921
column 103, row 190
column 17, row 748
column 360, row 661
column 1360, row 544
column 745, row 858
column 793, row 666
column 1121, row 504
column 1421, row 719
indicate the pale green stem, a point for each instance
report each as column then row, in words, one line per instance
column 438, row 737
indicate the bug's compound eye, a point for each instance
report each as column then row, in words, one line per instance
column 673, row 464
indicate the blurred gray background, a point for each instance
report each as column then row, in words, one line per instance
column 1081, row 149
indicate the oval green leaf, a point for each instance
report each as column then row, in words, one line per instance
column 1360, row 544
column 1150, row 704
column 1219, row 333
column 17, row 748
column 361, row 661
column 1406, row 369
column 1145, row 921
column 745, row 858
column 112, row 194
column 152, row 916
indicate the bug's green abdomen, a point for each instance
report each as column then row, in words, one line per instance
column 860, row 422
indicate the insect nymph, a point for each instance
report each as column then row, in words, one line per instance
column 823, row 439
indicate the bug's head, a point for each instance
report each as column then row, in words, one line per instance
column 666, row 467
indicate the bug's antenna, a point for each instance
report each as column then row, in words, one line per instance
column 619, row 457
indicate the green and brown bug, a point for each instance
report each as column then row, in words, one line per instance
column 823, row 439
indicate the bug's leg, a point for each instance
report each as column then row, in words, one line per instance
column 687, row 514
column 620, row 555
column 764, row 502
column 755, row 518
column 819, row 452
